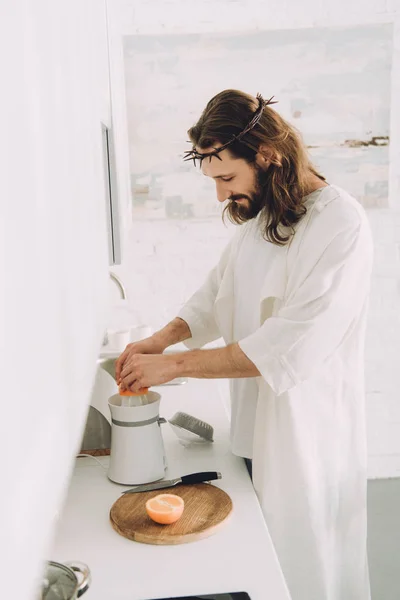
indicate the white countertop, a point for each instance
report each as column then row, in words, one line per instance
column 238, row 557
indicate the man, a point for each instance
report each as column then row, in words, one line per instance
column 289, row 297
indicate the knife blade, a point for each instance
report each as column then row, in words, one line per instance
column 185, row 479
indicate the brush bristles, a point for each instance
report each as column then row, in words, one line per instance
column 193, row 425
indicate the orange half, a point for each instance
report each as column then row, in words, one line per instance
column 141, row 392
column 165, row 508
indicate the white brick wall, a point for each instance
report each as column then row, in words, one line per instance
column 383, row 347
column 167, row 260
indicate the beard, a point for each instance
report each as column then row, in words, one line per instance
column 239, row 213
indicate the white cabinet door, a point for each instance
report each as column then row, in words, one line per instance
column 54, row 275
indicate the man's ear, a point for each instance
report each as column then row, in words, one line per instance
column 266, row 156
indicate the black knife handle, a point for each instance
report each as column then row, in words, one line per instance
column 200, row 477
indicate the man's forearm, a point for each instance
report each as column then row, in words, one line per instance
column 176, row 331
column 227, row 362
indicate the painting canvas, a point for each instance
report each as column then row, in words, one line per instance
column 333, row 84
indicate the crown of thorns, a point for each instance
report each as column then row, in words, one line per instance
column 194, row 155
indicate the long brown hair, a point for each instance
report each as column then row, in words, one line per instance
column 284, row 184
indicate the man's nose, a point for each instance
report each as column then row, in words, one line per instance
column 222, row 192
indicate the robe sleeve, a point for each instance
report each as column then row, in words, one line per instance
column 321, row 309
column 198, row 312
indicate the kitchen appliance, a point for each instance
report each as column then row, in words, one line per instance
column 207, row 508
column 137, row 449
column 97, row 434
column 61, row 582
column 168, row 483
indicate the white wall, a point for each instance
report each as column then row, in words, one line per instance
column 166, row 260
column 54, row 275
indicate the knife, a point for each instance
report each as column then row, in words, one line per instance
column 185, row 479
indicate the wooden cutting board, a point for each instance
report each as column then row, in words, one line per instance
column 206, row 509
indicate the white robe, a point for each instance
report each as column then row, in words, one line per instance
column 309, row 440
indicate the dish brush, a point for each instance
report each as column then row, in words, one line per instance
column 191, row 430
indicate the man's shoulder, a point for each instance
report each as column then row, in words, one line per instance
column 336, row 208
column 335, row 213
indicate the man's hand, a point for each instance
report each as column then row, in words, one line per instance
column 176, row 331
column 147, row 346
column 141, row 370
column 146, row 370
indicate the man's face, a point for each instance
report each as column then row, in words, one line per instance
column 237, row 182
